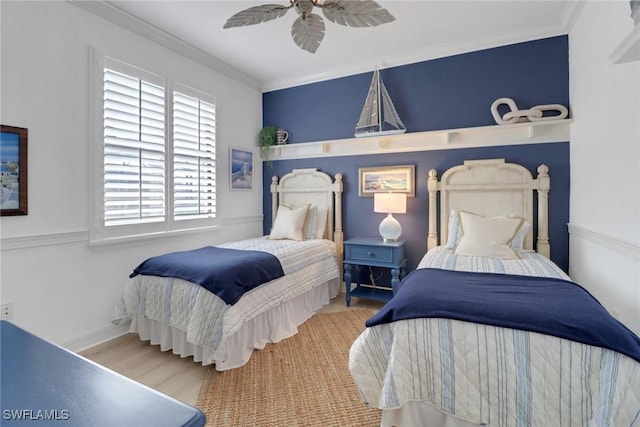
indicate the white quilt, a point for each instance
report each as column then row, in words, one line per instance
column 205, row 318
column 495, row 376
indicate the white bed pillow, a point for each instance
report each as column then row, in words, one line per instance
column 289, row 223
column 487, row 237
column 455, row 231
column 316, row 223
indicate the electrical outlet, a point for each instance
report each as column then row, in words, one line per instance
column 6, row 311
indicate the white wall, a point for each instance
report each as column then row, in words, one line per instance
column 62, row 288
column 605, row 159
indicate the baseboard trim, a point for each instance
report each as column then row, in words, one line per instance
column 97, row 336
column 623, row 247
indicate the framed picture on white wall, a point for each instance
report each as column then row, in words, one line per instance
column 241, row 169
column 13, row 170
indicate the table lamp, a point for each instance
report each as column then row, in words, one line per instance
column 390, row 203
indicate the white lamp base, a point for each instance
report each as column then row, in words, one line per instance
column 390, row 229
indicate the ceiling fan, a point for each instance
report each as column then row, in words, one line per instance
column 308, row 29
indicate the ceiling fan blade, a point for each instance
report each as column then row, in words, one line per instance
column 308, row 33
column 356, row 13
column 256, row 15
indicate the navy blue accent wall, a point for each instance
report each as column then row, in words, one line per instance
column 446, row 93
column 359, row 220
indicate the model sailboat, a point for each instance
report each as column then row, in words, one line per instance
column 379, row 116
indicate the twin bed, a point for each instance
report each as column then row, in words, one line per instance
column 488, row 332
column 306, row 240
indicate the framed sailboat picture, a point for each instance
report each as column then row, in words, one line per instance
column 387, row 179
column 241, row 162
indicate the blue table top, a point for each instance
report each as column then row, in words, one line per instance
column 45, row 384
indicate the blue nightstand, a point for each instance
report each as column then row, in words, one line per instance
column 373, row 252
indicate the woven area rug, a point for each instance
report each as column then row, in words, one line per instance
column 300, row 381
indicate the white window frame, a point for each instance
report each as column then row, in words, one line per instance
column 100, row 233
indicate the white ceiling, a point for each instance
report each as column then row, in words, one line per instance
column 265, row 56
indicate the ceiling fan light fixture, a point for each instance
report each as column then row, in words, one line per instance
column 308, row 29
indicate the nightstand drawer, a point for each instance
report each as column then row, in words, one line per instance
column 368, row 253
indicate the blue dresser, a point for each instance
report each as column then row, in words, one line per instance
column 46, row 385
column 372, row 252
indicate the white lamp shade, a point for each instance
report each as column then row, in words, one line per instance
column 390, row 202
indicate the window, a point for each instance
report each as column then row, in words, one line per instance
column 134, row 150
column 157, row 155
column 194, row 157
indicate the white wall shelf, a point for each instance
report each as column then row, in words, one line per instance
column 485, row 136
column 629, row 49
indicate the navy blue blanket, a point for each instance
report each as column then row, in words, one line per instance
column 550, row 306
column 228, row 273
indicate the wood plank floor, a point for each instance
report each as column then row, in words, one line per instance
column 180, row 378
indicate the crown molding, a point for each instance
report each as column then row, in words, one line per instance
column 629, row 49
column 426, row 54
column 572, row 10
column 441, row 51
column 138, row 26
column 112, row 13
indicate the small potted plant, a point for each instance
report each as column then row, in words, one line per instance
column 267, row 137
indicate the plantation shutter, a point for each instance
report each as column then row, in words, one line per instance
column 194, row 157
column 134, row 150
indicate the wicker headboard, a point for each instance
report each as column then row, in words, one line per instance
column 302, row 186
column 490, row 188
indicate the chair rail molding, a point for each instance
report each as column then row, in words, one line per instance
column 22, row 242
column 623, row 247
column 546, row 131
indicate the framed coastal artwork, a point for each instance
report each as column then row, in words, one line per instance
column 241, row 169
column 385, row 179
column 13, row 170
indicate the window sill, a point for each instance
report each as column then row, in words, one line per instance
column 151, row 236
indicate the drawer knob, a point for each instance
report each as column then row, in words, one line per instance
column 371, row 254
